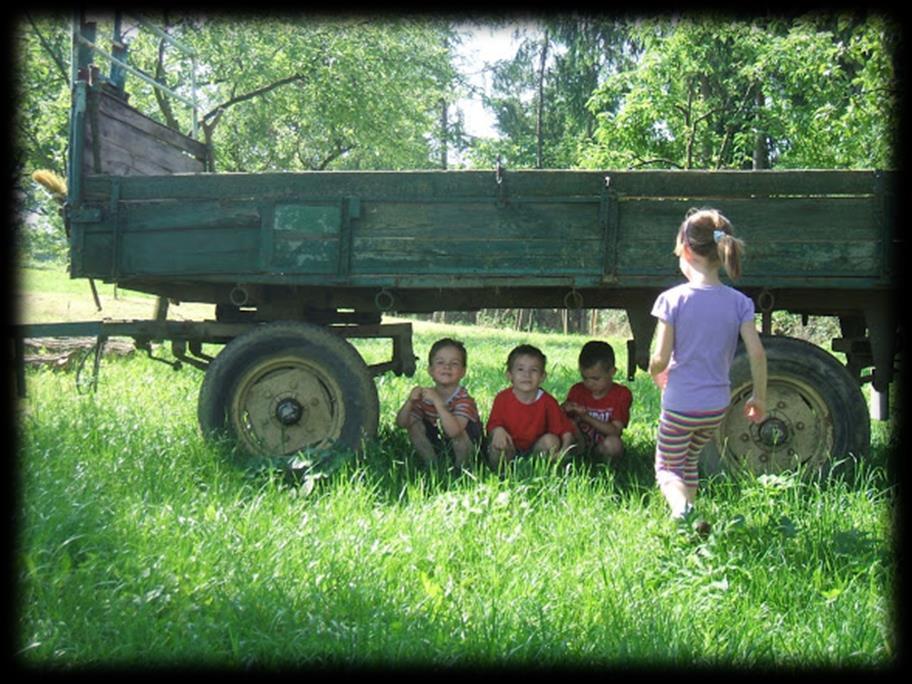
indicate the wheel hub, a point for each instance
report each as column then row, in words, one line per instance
column 773, row 432
column 796, row 432
column 289, row 411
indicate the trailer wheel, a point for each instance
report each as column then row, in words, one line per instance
column 816, row 414
column 283, row 388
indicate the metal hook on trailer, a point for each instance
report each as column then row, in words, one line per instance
column 573, row 300
column 239, row 295
column 499, row 178
column 384, row 300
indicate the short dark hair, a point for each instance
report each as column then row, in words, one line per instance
column 526, row 350
column 447, row 342
column 596, row 352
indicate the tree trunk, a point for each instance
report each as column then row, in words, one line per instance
column 761, row 145
column 539, row 129
column 706, row 92
column 443, row 134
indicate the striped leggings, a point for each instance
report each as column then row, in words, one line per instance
column 681, row 438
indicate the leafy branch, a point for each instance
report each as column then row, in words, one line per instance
column 58, row 62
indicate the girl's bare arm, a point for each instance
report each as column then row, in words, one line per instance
column 660, row 358
column 755, row 407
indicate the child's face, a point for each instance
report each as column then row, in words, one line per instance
column 527, row 373
column 447, row 367
column 598, row 379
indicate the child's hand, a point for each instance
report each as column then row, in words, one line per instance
column 661, row 379
column 415, row 394
column 501, row 440
column 429, row 395
column 571, row 408
column 755, row 409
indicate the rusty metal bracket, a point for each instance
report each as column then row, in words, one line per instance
column 765, row 302
column 90, row 385
column 499, row 178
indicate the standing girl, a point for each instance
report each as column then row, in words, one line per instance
column 696, row 337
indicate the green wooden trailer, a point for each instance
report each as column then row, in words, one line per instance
column 297, row 264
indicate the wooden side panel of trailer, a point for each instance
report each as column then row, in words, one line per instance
column 453, row 229
column 121, row 141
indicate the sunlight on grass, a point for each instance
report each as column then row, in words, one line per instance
column 138, row 543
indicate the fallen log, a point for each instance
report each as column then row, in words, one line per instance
column 63, row 352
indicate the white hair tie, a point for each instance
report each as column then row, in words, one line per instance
column 718, row 235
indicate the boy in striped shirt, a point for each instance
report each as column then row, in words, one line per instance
column 443, row 417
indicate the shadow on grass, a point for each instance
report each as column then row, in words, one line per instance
column 390, row 467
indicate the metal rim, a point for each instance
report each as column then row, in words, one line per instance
column 797, row 433
column 285, row 404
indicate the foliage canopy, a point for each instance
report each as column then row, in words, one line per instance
column 302, row 93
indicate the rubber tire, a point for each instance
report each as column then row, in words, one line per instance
column 833, row 387
column 331, row 356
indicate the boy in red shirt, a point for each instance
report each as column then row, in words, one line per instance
column 524, row 418
column 444, row 415
column 599, row 408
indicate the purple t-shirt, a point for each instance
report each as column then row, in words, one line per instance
column 707, row 321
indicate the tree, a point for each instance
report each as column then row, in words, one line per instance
column 277, row 93
column 320, row 94
column 41, row 75
column 709, row 93
column 539, row 97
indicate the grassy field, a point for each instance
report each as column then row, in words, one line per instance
column 139, row 544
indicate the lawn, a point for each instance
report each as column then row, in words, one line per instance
column 137, row 543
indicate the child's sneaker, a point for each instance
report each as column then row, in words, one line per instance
column 702, row 528
column 688, row 519
column 684, row 515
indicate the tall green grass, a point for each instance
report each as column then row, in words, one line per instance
column 139, row 544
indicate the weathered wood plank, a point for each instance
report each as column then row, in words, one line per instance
column 767, row 219
column 111, row 107
column 424, row 185
column 130, row 143
column 800, row 258
column 188, row 252
column 455, row 255
column 733, row 184
column 125, row 151
column 169, row 215
column 493, row 247
column 481, row 220
column 420, row 186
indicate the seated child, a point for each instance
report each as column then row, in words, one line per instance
column 444, row 414
column 599, row 408
column 524, row 418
